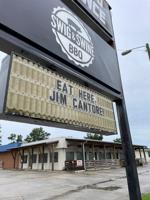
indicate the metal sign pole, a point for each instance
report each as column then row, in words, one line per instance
column 131, row 169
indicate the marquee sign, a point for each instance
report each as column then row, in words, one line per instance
column 39, row 93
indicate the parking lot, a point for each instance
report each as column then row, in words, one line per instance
column 102, row 184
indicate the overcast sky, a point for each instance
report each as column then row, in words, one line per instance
column 132, row 29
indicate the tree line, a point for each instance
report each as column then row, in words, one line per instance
column 95, row 136
column 36, row 134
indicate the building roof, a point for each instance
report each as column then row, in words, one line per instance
column 101, row 142
column 8, row 147
column 48, row 141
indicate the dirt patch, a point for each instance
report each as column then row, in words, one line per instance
column 111, row 188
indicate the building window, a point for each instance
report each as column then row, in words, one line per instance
column 96, row 157
column 79, row 156
column 108, row 155
column 40, row 158
column 43, row 158
column 149, row 153
column 55, row 157
column 25, row 158
column 117, row 155
column 85, row 155
column 100, row 156
column 90, row 156
column 69, row 156
column 33, row 158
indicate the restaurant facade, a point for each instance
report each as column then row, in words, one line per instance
column 68, row 154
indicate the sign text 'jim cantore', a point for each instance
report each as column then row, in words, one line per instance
column 34, row 91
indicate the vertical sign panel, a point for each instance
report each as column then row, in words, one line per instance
column 100, row 11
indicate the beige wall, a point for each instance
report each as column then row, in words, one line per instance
column 47, row 166
column 137, row 155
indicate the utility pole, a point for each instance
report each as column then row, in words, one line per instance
column 148, row 50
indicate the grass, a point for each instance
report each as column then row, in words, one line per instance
column 146, row 197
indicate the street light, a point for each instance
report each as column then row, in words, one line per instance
column 130, row 50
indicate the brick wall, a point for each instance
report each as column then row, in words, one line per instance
column 7, row 161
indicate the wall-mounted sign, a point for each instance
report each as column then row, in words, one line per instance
column 72, row 36
column 38, row 93
column 79, row 163
column 100, row 11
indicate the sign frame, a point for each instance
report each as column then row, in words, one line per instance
column 35, row 120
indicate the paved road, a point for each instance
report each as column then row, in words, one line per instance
column 92, row 185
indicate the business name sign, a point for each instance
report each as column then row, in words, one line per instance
column 55, row 31
column 72, row 37
column 100, row 11
column 35, row 92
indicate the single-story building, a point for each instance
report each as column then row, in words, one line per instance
column 67, row 153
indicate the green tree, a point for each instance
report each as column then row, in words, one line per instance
column 37, row 134
column 15, row 138
column 117, row 140
column 94, row 136
column 19, row 138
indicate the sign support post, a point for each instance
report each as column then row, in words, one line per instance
column 131, row 170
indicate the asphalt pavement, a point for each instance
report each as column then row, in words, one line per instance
column 102, row 184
